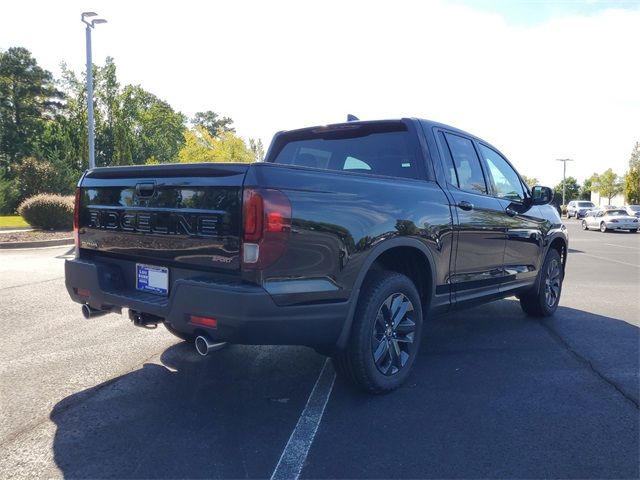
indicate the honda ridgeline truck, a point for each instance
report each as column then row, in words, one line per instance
column 346, row 239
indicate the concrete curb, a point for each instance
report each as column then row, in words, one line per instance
column 37, row 243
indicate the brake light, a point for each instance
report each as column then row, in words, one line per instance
column 76, row 221
column 266, row 226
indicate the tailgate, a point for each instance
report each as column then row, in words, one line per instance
column 186, row 215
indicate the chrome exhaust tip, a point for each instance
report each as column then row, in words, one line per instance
column 204, row 345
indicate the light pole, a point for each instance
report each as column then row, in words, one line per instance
column 90, row 128
column 564, row 175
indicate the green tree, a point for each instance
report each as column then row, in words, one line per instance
column 201, row 146
column 632, row 177
column 530, row 181
column 572, row 189
column 231, row 148
column 608, row 185
column 587, row 186
column 28, row 98
column 198, row 146
column 257, row 149
column 213, row 123
column 154, row 128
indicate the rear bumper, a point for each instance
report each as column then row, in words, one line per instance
column 622, row 226
column 245, row 313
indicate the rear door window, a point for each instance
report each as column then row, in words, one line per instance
column 466, row 164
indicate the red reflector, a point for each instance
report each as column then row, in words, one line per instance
column 76, row 222
column 83, row 292
column 204, row 321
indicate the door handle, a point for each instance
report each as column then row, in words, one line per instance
column 464, row 205
column 510, row 212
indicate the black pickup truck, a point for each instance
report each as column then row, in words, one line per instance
column 345, row 239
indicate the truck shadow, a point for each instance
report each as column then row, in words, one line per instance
column 230, row 415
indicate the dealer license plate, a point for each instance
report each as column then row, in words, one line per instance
column 150, row 278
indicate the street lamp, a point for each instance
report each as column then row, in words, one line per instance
column 564, row 175
column 90, row 24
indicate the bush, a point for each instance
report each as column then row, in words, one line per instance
column 48, row 211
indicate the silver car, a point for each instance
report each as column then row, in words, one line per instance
column 633, row 210
column 605, row 220
column 578, row 208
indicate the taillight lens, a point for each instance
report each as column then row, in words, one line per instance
column 266, row 226
column 76, row 221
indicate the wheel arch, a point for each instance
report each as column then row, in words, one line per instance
column 404, row 255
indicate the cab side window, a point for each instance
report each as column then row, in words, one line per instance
column 468, row 172
column 506, row 182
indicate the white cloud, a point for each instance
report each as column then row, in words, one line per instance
column 565, row 88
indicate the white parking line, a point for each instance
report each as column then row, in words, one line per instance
column 606, row 259
column 295, row 452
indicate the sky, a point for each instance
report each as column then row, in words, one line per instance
column 539, row 80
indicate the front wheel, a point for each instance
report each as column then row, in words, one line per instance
column 584, row 225
column 603, row 227
column 543, row 301
column 385, row 336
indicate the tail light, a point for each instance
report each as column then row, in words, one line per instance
column 266, row 226
column 76, row 221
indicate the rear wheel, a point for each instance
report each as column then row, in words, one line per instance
column 183, row 336
column 385, row 336
column 543, row 301
column 603, row 227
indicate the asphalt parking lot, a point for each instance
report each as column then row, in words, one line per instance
column 494, row 394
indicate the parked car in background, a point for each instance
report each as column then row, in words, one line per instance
column 578, row 209
column 605, row 220
column 633, row 210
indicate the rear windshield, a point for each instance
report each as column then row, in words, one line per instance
column 389, row 152
column 616, row 213
column 585, row 204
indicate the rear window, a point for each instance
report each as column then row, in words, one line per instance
column 388, row 151
column 585, row 204
column 616, row 213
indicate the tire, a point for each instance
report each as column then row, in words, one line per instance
column 603, row 227
column 543, row 301
column 584, row 225
column 183, row 336
column 374, row 336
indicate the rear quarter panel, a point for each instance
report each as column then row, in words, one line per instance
column 339, row 218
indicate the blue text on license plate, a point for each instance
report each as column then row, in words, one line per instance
column 150, row 278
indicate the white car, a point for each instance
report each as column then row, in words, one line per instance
column 605, row 220
column 633, row 210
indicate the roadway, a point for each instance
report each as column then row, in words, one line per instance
column 494, row 394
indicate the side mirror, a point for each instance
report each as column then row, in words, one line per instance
column 541, row 195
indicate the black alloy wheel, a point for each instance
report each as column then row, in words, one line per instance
column 553, row 283
column 543, row 300
column 385, row 334
column 393, row 334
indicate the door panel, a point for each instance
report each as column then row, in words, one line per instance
column 479, row 228
column 480, row 246
column 524, row 244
